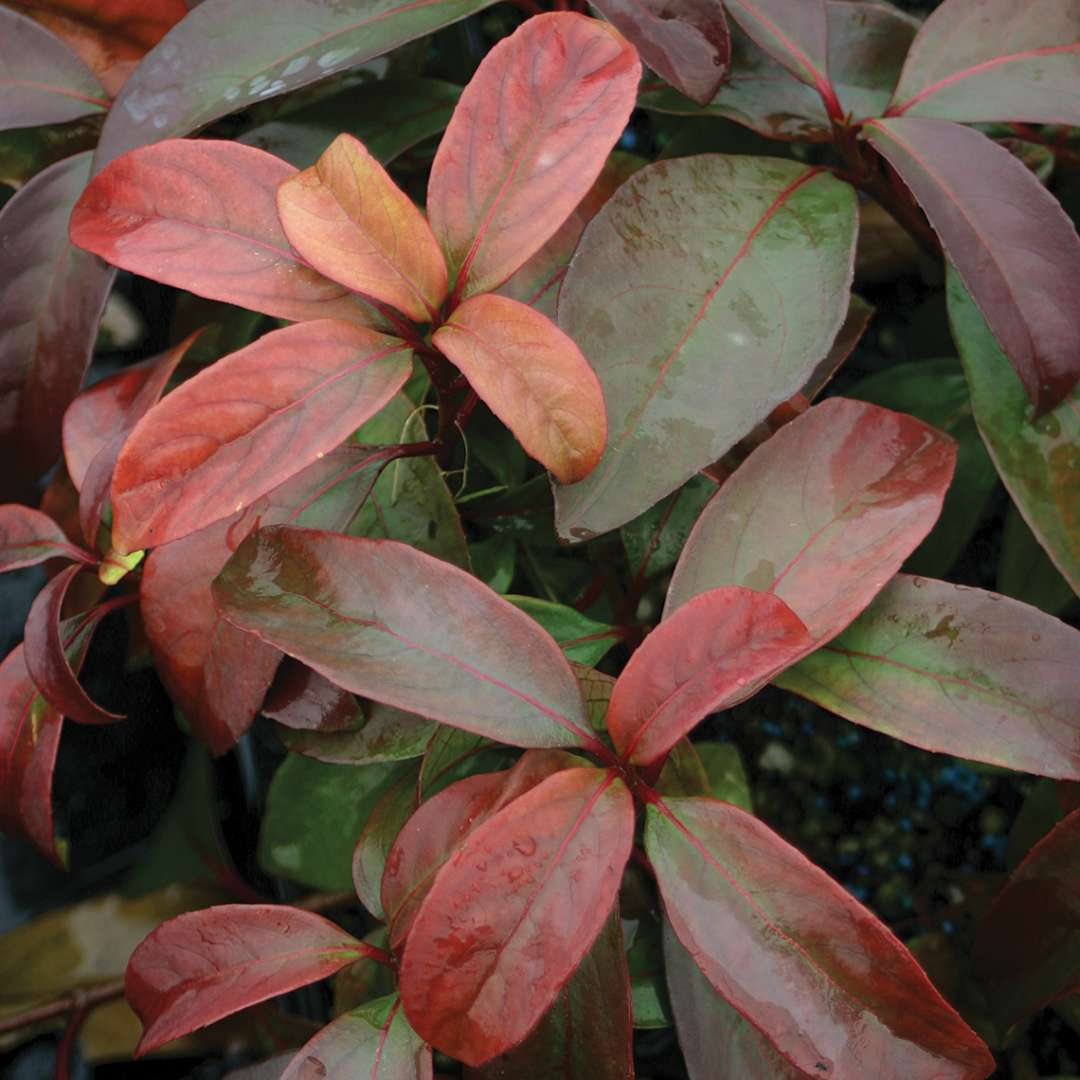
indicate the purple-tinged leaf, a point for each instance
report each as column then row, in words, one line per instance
column 41, row 80
column 1027, row 946
column 223, row 58
column 716, row 650
column 797, row 955
column 957, row 670
column 1008, row 237
column 1038, row 460
column 96, row 480
column 46, row 655
column 202, row 215
column 511, row 916
column 821, row 515
column 304, row 700
column 687, row 43
column 528, row 138
column 29, row 537
column 441, row 825
column 713, row 1036
column 246, row 424
column 202, row 966
column 703, row 358
column 587, row 1033
column 51, row 298
column 335, row 603
column 29, row 739
column 994, row 60
column 373, row 1041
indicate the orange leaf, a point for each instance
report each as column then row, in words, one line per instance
column 355, row 225
column 533, row 378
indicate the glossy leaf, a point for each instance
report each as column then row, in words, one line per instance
column 686, row 43
column 221, row 59
column 97, row 479
column 29, row 739
column 1038, row 460
column 495, row 940
column 51, row 298
column 713, row 1036
column 217, row 674
column 526, row 142
column 303, row 700
column 791, row 950
column 821, row 515
column 1027, row 943
column 350, row 221
column 335, row 603
column 374, row 1041
column 1009, row 239
column 29, row 537
column 713, row 652
column 793, row 32
column 110, row 35
column 385, row 821
column 389, row 116
column 582, row 639
column 201, row 215
column 388, row 734
column 936, row 392
column 957, row 670
column 723, row 228
column 587, row 1033
column 41, row 80
column 199, row 967
column 533, row 377
column 46, row 656
column 994, row 60
column 241, row 427
column 440, row 827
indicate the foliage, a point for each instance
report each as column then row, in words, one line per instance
column 488, row 475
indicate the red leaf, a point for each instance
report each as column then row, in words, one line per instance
column 1028, row 943
column 29, row 537
column 793, row 32
column 686, row 43
column 199, row 967
column 148, row 384
column 246, row 424
column 216, row 673
column 587, row 1034
column 46, row 657
column 712, row 653
column 533, row 377
column 823, row 514
column 110, row 35
column 994, row 60
column 51, row 298
column 1008, row 237
column 202, row 215
column 513, row 913
column 957, row 670
column 526, row 141
column 29, row 738
column 374, row 1041
column 307, row 701
column 442, row 824
column 797, row 955
column 354, row 224
column 336, row 603
column 41, row 80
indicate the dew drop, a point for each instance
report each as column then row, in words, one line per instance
column 525, row 845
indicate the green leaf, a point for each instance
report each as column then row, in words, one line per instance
column 314, row 815
column 387, row 116
column 645, row 958
column 388, row 734
column 1038, row 460
column 1025, row 571
column 762, row 251
column 583, row 640
column 654, row 540
column 727, row 777
column 494, row 560
column 937, row 392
